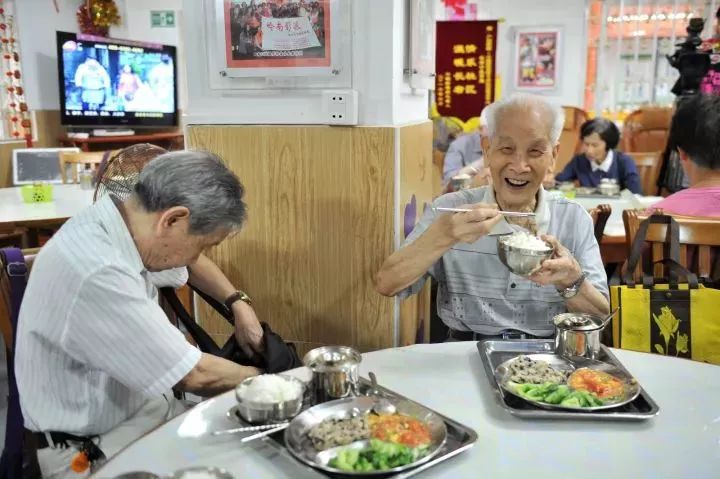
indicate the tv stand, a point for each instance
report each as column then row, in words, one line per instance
column 170, row 140
column 113, row 132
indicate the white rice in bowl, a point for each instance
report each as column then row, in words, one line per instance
column 270, row 389
column 521, row 239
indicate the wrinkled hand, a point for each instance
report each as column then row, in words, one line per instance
column 562, row 270
column 471, row 226
column 248, row 331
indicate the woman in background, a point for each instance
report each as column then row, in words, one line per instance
column 600, row 160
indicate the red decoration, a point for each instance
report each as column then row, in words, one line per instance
column 95, row 17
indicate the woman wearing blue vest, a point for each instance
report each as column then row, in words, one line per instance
column 600, row 160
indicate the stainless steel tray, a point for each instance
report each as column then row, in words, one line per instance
column 459, row 438
column 494, row 353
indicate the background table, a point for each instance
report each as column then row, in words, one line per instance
column 68, row 200
column 682, row 442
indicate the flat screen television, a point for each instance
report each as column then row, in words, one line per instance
column 109, row 82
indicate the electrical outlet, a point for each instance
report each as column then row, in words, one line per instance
column 340, row 107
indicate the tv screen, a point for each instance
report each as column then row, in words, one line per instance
column 108, row 82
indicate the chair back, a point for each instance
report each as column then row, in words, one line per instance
column 648, row 166
column 646, row 129
column 71, row 159
column 600, row 215
column 570, row 143
column 699, row 243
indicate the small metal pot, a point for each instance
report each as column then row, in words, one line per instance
column 578, row 334
column 335, row 372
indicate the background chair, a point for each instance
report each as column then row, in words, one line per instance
column 646, row 129
column 70, row 161
column 648, row 166
column 600, row 215
column 11, row 235
column 699, row 244
column 570, row 143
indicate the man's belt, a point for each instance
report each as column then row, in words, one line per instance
column 59, row 439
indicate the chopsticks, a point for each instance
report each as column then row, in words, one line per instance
column 514, row 214
column 249, row 429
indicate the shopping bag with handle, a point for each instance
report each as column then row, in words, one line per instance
column 670, row 317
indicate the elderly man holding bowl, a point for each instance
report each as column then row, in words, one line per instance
column 478, row 297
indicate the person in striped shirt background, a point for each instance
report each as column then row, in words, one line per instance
column 96, row 356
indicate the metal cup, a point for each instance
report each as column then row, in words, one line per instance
column 335, row 371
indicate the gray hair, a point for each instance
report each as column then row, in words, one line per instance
column 198, row 180
column 526, row 101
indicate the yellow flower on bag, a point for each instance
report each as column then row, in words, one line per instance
column 668, row 325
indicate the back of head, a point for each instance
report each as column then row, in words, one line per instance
column 554, row 114
column 197, row 180
column 696, row 130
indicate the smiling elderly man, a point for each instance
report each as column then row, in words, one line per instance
column 96, row 356
column 477, row 295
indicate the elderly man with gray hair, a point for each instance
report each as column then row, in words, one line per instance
column 477, row 296
column 96, row 356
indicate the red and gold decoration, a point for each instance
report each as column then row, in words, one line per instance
column 95, row 17
column 465, row 67
column 16, row 115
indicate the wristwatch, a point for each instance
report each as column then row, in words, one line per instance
column 572, row 290
column 237, row 296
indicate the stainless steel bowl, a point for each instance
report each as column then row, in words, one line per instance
column 521, row 261
column 262, row 412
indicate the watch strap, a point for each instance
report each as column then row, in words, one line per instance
column 237, row 296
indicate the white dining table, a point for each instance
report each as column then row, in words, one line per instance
column 68, row 200
column 615, row 225
column 683, row 441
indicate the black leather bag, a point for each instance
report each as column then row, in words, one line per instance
column 277, row 357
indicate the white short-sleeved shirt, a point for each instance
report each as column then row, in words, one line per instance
column 93, row 345
column 476, row 292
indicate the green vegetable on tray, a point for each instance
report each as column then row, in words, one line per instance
column 380, row 456
column 551, row 393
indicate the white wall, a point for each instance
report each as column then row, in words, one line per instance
column 37, row 23
column 378, row 37
column 569, row 14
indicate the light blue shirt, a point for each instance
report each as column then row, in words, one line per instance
column 476, row 292
column 462, row 152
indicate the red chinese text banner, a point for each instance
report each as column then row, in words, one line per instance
column 465, row 67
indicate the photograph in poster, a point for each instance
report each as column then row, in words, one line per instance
column 277, row 33
column 536, row 59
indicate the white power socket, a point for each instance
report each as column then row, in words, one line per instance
column 340, row 107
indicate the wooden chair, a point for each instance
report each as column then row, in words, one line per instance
column 646, row 129
column 11, row 235
column 70, row 160
column 699, row 243
column 648, row 166
column 600, row 215
column 570, row 143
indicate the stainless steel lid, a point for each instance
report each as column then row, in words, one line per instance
column 578, row 322
column 332, row 358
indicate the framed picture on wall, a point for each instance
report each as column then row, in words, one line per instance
column 537, row 58
column 276, row 37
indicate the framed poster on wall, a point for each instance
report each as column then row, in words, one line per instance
column 537, row 58
column 276, row 37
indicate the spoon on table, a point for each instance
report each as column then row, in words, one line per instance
column 382, row 406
